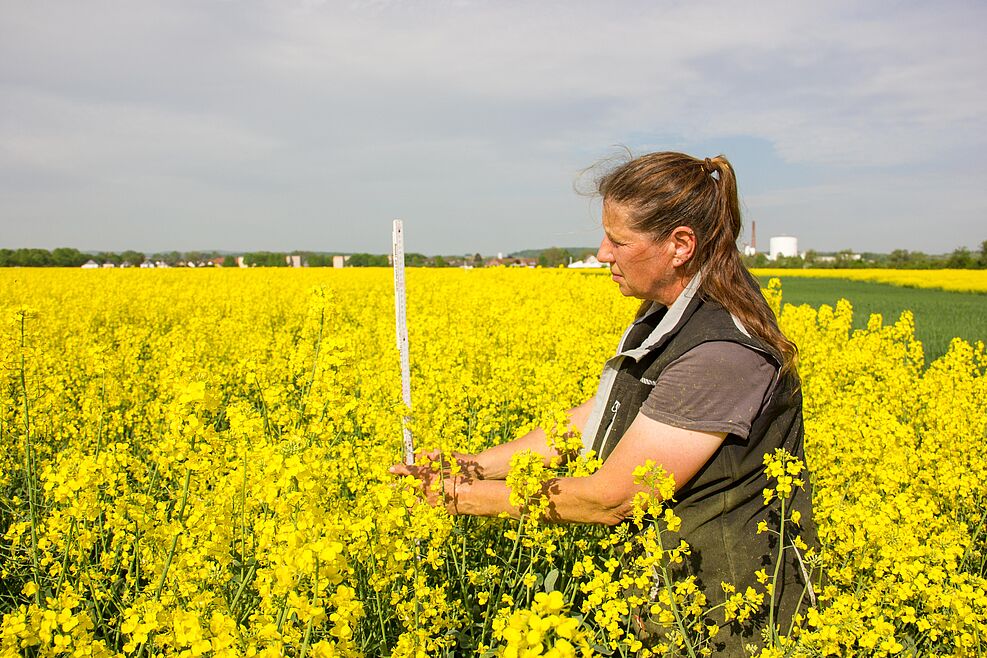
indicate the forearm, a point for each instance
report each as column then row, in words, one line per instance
column 570, row 500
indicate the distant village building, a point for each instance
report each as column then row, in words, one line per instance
column 512, row 262
column 339, row 261
column 108, row 265
column 293, row 260
column 588, row 262
column 90, row 265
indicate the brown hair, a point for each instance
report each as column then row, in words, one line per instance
column 662, row 191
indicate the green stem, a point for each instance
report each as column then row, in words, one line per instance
column 774, row 578
column 315, row 599
column 243, row 517
column 315, row 358
column 137, row 561
column 283, row 612
column 418, row 602
column 666, row 577
column 380, row 607
column 496, row 594
column 973, row 543
column 243, row 586
column 65, row 557
column 379, row 604
column 239, row 632
column 798, row 606
column 29, row 469
column 174, row 540
column 268, row 431
column 102, row 414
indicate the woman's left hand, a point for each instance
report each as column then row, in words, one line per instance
column 435, row 489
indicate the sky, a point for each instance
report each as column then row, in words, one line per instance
column 246, row 125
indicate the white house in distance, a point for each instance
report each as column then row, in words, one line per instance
column 783, row 245
column 589, row 261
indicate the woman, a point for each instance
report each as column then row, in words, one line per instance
column 703, row 383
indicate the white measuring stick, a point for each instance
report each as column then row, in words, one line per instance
column 401, row 318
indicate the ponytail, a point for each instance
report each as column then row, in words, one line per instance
column 725, row 278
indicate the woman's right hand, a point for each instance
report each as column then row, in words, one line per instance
column 456, row 470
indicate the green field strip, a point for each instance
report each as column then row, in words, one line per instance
column 939, row 315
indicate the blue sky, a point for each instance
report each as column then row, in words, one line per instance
column 246, row 125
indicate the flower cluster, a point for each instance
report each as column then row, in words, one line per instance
column 544, row 629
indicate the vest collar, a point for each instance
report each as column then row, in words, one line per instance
column 672, row 319
column 665, row 326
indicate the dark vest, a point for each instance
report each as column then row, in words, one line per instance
column 721, row 505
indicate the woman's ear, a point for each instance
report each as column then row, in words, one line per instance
column 683, row 240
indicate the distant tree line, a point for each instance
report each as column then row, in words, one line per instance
column 556, row 256
column 414, row 259
column 960, row 259
column 66, row 257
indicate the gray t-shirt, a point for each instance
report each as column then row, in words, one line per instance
column 717, row 386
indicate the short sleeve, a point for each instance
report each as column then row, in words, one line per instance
column 719, row 386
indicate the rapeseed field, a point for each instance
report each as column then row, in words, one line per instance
column 193, row 463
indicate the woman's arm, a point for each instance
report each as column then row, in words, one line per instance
column 604, row 497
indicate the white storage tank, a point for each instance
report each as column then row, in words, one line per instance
column 783, row 245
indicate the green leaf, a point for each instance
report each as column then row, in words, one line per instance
column 551, row 579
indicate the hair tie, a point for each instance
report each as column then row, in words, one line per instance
column 710, row 169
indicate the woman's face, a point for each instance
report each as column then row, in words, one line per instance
column 641, row 267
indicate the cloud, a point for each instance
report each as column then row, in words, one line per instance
column 59, row 135
column 467, row 114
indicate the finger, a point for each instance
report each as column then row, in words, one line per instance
column 430, row 455
column 402, row 469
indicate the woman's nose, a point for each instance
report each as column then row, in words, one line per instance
column 605, row 253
